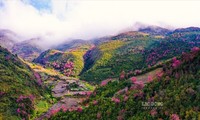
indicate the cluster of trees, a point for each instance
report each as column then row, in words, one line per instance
column 66, row 68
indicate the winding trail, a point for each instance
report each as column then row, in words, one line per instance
column 66, row 102
column 69, row 98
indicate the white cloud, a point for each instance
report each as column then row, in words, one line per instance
column 88, row 19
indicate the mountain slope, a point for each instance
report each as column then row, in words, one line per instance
column 123, row 53
column 138, row 51
column 28, row 49
column 155, row 30
column 19, row 88
column 172, row 94
column 69, row 62
column 74, row 44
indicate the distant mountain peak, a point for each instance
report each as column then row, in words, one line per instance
column 188, row 29
column 154, row 30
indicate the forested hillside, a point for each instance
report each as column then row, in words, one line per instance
column 172, row 93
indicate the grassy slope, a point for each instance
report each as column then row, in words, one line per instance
column 111, row 58
column 74, row 56
column 178, row 90
column 15, row 79
column 135, row 52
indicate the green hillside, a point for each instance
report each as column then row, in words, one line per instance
column 20, row 89
column 69, row 63
column 113, row 57
column 135, row 51
column 173, row 93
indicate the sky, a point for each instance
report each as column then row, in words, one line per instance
column 58, row 20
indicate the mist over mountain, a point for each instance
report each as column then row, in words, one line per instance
column 58, row 21
column 8, row 38
column 99, row 60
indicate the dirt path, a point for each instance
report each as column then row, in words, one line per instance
column 69, row 99
column 66, row 103
column 153, row 74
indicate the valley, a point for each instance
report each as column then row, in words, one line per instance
column 104, row 78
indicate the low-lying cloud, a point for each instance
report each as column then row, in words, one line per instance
column 59, row 20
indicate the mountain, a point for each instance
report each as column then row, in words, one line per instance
column 70, row 62
column 28, row 49
column 129, row 35
column 8, row 38
column 20, row 88
column 111, row 58
column 155, row 30
column 152, row 73
column 97, row 41
column 126, row 52
column 170, row 93
column 189, row 29
column 132, row 51
column 73, row 44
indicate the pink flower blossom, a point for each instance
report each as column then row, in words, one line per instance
column 69, row 65
column 88, row 93
column 98, row 115
column 175, row 62
column 125, row 98
column 195, row 49
column 174, row 117
column 64, row 108
column 116, row 100
column 140, row 94
column 137, row 72
column 138, row 85
column 103, row 83
column 177, row 75
column 151, row 99
column 149, row 78
column 122, row 75
column 159, row 74
column 1, row 93
column 37, row 76
column 133, row 79
column 153, row 112
column 54, row 111
column 79, row 109
column 95, row 102
column 18, row 110
column 24, row 112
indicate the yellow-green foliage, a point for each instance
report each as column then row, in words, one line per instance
column 78, row 61
column 39, row 68
column 74, row 55
column 40, row 107
column 112, row 45
column 107, row 50
column 51, row 52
